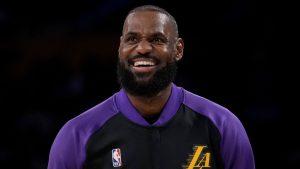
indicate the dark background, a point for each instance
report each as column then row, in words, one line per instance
column 58, row 59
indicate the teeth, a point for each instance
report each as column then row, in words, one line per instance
column 143, row 63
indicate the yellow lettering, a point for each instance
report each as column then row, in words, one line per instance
column 203, row 162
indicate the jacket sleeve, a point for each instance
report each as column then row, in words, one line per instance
column 236, row 151
column 67, row 151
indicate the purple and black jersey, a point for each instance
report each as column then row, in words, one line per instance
column 191, row 132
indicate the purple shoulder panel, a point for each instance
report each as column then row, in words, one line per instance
column 68, row 149
column 235, row 148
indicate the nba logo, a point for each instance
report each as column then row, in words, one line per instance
column 116, row 157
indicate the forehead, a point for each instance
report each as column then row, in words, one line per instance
column 147, row 22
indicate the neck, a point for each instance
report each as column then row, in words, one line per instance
column 151, row 106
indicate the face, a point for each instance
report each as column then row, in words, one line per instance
column 148, row 51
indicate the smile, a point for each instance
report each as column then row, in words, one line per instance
column 143, row 65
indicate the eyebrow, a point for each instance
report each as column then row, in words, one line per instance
column 156, row 34
column 131, row 34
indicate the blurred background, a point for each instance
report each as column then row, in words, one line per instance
column 59, row 59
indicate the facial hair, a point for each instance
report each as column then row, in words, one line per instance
column 159, row 81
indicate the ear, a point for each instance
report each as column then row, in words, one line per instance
column 179, row 49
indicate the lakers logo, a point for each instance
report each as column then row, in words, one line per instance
column 200, row 159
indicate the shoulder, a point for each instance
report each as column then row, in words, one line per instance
column 235, row 147
column 85, row 124
column 219, row 115
column 81, row 127
column 94, row 117
column 68, row 148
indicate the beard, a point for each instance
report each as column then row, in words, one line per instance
column 159, row 80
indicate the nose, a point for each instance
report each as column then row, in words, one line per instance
column 144, row 47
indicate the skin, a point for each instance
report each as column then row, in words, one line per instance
column 149, row 33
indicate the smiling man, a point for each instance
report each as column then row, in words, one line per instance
column 148, row 53
column 151, row 123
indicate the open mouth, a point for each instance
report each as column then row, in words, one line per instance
column 143, row 64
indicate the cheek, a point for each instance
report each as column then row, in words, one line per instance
column 127, row 48
column 124, row 52
column 169, row 56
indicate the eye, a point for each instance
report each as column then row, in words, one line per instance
column 158, row 40
column 131, row 39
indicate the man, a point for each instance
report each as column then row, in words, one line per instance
column 151, row 123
